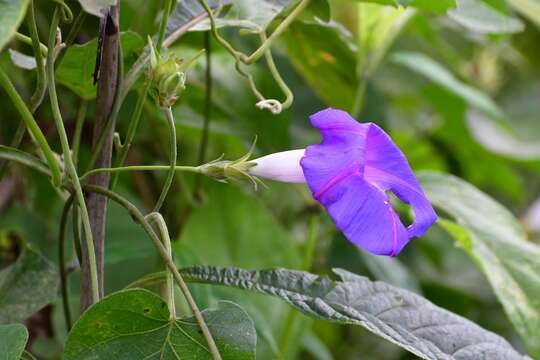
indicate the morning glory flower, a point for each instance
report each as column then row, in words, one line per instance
column 350, row 173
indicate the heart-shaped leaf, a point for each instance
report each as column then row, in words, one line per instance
column 135, row 325
column 397, row 315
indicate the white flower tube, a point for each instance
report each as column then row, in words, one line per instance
column 282, row 166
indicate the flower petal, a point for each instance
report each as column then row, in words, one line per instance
column 364, row 215
column 282, row 166
column 342, row 148
column 387, row 168
column 350, row 171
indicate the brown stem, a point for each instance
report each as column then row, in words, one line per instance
column 107, row 89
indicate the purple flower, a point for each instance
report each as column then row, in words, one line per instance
column 349, row 173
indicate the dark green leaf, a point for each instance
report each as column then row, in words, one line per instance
column 135, row 325
column 13, row 339
column 11, row 15
column 497, row 243
column 397, row 315
column 325, row 55
column 27, row 286
column 77, row 68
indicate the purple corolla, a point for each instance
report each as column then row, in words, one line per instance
column 349, row 173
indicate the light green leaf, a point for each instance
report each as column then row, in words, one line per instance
column 478, row 16
column 77, row 67
column 399, row 316
column 27, row 286
column 435, row 72
column 497, row 243
column 11, row 15
column 528, row 8
column 135, row 325
column 13, row 339
column 501, row 140
column 439, row 6
column 95, row 7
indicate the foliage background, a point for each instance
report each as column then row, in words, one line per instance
column 457, row 89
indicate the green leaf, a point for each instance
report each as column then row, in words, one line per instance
column 399, row 316
column 13, row 339
column 325, row 56
column 95, row 7
column 135, row 325
column 495, row 240
column 528, row 8
column 77, row 67
column 477, row 16
column 435, row 72
column 27, row 286
column 11, row 15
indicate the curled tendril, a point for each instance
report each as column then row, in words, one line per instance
column 65, row 12
column 273, row 105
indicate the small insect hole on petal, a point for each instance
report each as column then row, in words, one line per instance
column 403, row 210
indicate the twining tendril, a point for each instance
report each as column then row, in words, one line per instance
column 264, row 49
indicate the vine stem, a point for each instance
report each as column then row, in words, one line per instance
column 173, row 153
column 32, row 126
column 139, row 217
column 70, row 167
column 158, row 220
column 62, row 262
column 130, row 135
column 116, row 170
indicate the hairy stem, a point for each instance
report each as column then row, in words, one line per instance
column 70, row 167
column 117, row 170
column 139, row 217
column 172, row 159
column 32, row 127
column 169, row 281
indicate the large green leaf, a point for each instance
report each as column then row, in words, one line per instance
column 77, row 67
column 496, row 241
column 325, row 55
column 135, row 325
column 480, row 17
column 13, row 339
column 27, row 286
column 438, row 74
column 397, row 315
column 11, row 15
